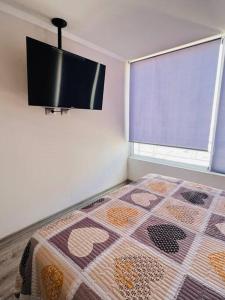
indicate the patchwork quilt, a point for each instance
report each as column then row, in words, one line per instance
column 156, row 238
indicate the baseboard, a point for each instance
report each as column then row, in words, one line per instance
column 21, row 234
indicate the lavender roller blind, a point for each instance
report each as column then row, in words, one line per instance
column 171, row 97
column 218, row 159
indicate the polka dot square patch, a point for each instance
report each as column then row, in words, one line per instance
column 194, row 197
column 119, row 214
column 182, row 213
column 131, row 272
column 166, row 237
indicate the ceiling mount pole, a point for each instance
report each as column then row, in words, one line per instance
column 59, row 23
column 59, row 37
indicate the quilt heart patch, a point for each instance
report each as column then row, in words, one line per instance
column 52, row 279
column 135, row 273
column 159, row 186
column 121, row 216
column 195, row 197
column 221, row 227
column 217, row 261
column 143, row 199
column 182, row 213
column 166, row 237
column 91, row 236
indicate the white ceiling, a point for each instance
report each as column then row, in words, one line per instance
column 133, row 28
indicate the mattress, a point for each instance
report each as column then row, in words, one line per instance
column 156, row 238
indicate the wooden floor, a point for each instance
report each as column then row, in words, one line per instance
column 11, row 248
column 9, row 261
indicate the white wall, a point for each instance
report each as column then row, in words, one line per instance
column 48, row 163
column 139, row 167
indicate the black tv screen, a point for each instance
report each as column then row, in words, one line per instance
column 57, row 78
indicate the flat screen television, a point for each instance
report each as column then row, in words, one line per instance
column 57, row 78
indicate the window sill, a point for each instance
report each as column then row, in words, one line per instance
column 174, row 164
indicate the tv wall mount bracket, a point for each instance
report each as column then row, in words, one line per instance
column 59, row 23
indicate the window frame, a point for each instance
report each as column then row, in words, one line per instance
column 215, row 109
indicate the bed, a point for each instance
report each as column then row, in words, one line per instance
column 156, row 238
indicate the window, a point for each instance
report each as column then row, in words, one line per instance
column 174, row 105
column 180, row 155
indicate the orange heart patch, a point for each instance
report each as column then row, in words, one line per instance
column 121, row 216
column 217, row 261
